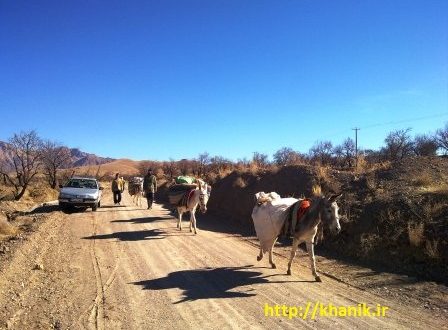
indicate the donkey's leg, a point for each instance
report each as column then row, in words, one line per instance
column 260, row 256
column 271, row 251
column 193, row 221
column 179, row 223
column 295, row 245
column 310, row 249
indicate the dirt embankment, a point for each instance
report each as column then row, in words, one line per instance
column 394, row 218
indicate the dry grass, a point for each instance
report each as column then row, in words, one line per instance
column 416, row 233
column 239, row 183
column 423, row 179
column 6, row 229
column 322, row 174
column 441, row 188
column 367, row 167
column 433, row 210
column 222, row 173
column 362, row 166
column 316, row 190
column 42, row 193
column 432, row 249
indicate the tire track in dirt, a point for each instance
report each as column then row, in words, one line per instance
column 127, row 267
column 96, row 314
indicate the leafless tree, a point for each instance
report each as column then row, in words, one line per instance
column 203, row 161
column 425, row 145
column 287, row 156
column 442, row 138
column 243, row 163
column 345, row 152
column 260, row 160
column 170, row 168
column 398, row 144
column 55, row 157
column 322, row 151
column 184, row 166
column 25, row 150
column 218, row 164
column 146, row 165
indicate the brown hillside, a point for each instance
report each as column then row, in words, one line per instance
column 126, row 167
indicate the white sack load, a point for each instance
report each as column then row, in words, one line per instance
column 269, row 215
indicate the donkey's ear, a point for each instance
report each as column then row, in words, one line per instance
column 334, row 198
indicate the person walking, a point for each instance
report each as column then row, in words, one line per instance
column 116, row 189
column 150, row 187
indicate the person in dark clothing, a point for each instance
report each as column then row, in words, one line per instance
column 150, row 187
column 116, row 189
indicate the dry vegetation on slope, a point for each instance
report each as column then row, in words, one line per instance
column 395, row 217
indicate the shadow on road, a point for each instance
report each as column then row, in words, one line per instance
column 111, row 206
column 142, row 220
column 210, row 282
column 139, row 235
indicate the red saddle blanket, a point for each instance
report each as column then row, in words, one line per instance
column 304, row 206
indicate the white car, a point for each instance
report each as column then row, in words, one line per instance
column 80, row 192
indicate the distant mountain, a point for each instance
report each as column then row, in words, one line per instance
column 78, row 158
column 81, row 158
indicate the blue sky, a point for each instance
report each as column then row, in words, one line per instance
column 172, row 79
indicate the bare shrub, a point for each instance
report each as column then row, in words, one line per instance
column 398, row 145
column 369, row 243
column 425, row 145
column 442, row 138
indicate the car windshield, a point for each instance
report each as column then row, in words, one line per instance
column 81, row 183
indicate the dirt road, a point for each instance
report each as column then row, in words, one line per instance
column 130, row 268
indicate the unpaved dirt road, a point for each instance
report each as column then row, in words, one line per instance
column 131, row 268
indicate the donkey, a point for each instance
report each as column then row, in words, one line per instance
column 321, row 209
column 135, row 188
column 200, row 197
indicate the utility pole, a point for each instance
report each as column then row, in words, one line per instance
column 356, row 129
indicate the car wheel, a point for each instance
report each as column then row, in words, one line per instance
column 64, row 207
column 94, row 207
column 99, row 203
